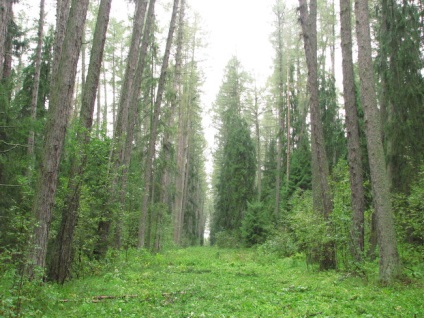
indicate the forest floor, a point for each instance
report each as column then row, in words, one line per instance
column 212, row 282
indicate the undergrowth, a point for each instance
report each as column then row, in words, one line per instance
column 212, row 282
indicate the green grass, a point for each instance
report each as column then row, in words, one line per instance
column 211, row 282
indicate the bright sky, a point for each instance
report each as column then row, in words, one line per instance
column 235, row 27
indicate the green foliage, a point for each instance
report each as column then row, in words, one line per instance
column 334, row 136
column 409, row 212
column 255, row 225
column 228, row 239
column 235, row 158
column 279, row 243
column 212, row 282
column 399, row 65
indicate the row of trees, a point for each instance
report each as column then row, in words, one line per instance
column 276, row 143
column 101, row 137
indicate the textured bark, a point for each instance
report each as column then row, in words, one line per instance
column 389, row 257
column 320, row 173
column 280, row 110
column 34, row 96
column 62, row 256
column 61, row 93
column 258, row 145
column 148, row 169
column 176, row 102
column 62, row 14
column 7, row 65
column 133, row 114
column 288, row 127
column 5, row 17
column 352, row 128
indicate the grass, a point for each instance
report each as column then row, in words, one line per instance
column 211, row 282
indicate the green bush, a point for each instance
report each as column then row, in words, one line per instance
column 255, row 225
column 228, row 239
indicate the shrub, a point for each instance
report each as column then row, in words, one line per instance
column 255, row 225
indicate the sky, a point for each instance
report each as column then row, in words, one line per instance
column 240, row 28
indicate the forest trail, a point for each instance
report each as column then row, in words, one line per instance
column 212, row 282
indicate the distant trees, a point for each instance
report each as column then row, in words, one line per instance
column 235, row 157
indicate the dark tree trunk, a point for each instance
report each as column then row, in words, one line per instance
column 148, row 169
column 320, row 172
column 62, row 256
column 389, row 257
column 61, row 93
column 34, row 94
column 353, row 140
column 5, row 18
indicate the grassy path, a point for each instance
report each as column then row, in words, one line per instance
column 208, row 282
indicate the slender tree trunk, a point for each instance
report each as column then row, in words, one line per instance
column 258, row 147
column 5, row 18
column 121, row 127
column 34, row 96
column 281, row 123
column 62, row 14
column 148, row 172
column 62, row 256
column 175, row 102
column 105, row 106
column 7, row 64
column 352, row 127
column 288, row 127
column 167, row 139
column 389, row 257
column 320, row 173
column 61, row 93
column 133, row 114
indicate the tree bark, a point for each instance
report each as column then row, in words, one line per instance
column 280, row 110
column 148, row 170
column 320, row 173
column 352, row 128
column 133, row 114
column 5, row 16
column 390, row 267
column 62, row 257
column 61, row 94
column 34, row 93
column 176, row 102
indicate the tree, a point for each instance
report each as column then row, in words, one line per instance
column 389, row 257
column 235, row 158
column 5, row 19
column 61, row 93
column 59, row 269
column 320, row 174
column 148, row 170
column 352, row 128
column 37, row 74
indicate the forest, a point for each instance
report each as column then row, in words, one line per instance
column 310, row 202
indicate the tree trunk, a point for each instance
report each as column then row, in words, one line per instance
column 34, row 96
column 353, row 140
column 320, row 173
column 62, row 257
column 133, row 114
column 148, row 172
column 280, row 110
column 176, row 102
column 61, row 93
column 5, row 17
column 389, row 257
